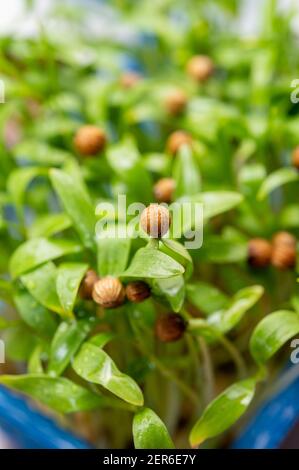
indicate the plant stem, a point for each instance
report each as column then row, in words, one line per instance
column 167, row 373
column 153, row 243
column 207, row 368
column 164, row 371
column 236, row 356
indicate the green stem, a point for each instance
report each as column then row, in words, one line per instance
column 162, row 369
column 167, row 373
column 208, row 373
column 153, row 243
column 235, row 355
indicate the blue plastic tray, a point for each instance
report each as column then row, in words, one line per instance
column 27, row 428
column 276, row 416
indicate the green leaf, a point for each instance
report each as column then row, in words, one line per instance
column 149, row 432
column 58, row 393
column 223, row 412
column 37, row 251
column 18, row 182
column 186, row 173
column 34, row 314
column 277, row 179
column 94, row 365
column 48, row 225
column 124, row 159
column 250, row 178
column 201, row 327
column 66, row 341
column 225, row 320
column 272, row 332
column 217, row 202
column 122, row 156
column 177, row 251
column 19, row 342
column 139, row 184
column 68, row 280
column 41, row 153
column 41, row 284
column 77, row 204
column 172, row 289
column 206, row 297
column 34, row 362
column 113, row 250
column 217, row 249
column 101, row 339
column 150, row 263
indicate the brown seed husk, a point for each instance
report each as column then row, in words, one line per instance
column 170, row 327
column 176, row 140
column 87, row 284
column 175, row 102
column 155, row 220
column 108, row 292
column 295, row 157
column 200, row 67
column 259, row 252
column 90, row 140
column 137, row 291
column 164, row 190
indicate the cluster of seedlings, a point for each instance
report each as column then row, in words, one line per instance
column 90, row 140
column 109, row 292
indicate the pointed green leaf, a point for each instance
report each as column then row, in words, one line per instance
column 217, row 249
column 113, row 248
column 94, row 365
column 18, row 182
column 19, row 342
column 123, row 155
column 206, row 297
column 186, row 173
column 217, row 202
column 58, row 393
column 223, row 412
column 49, row 224
column 177, row 251
column 37, row 251
column 35, row 314
column 171, row 289
column 41, row 283
column 272, row 332
column 149, row 431
column 41, row 153
column 101, row 339
column 34, row 363
column 225, row 320
column 150, row 263
column 66, row 341
column 68, row 280
column 277, row 179
column 77, row 204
